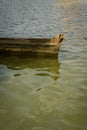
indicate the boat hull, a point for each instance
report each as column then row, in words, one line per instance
column 42, row 46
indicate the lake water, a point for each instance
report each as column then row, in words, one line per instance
column 44, row 93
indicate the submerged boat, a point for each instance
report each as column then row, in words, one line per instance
column 42, row 46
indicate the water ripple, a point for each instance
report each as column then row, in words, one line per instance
column 40, row 93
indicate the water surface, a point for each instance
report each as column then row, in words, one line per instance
column 44, row 93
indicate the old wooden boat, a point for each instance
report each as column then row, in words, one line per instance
column 45, row 46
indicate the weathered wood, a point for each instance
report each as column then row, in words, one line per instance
column 32, row 45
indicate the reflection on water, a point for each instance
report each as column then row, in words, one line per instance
column 23, row 81
column 20, row 62
column 44, row 93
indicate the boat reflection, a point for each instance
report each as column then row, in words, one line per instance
column 44, row 66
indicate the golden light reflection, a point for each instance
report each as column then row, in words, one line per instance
column 68, row 3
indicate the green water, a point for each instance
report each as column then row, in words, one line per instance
column 40, row 93
column 44, row 93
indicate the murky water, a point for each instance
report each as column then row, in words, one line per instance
column 44, row 93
